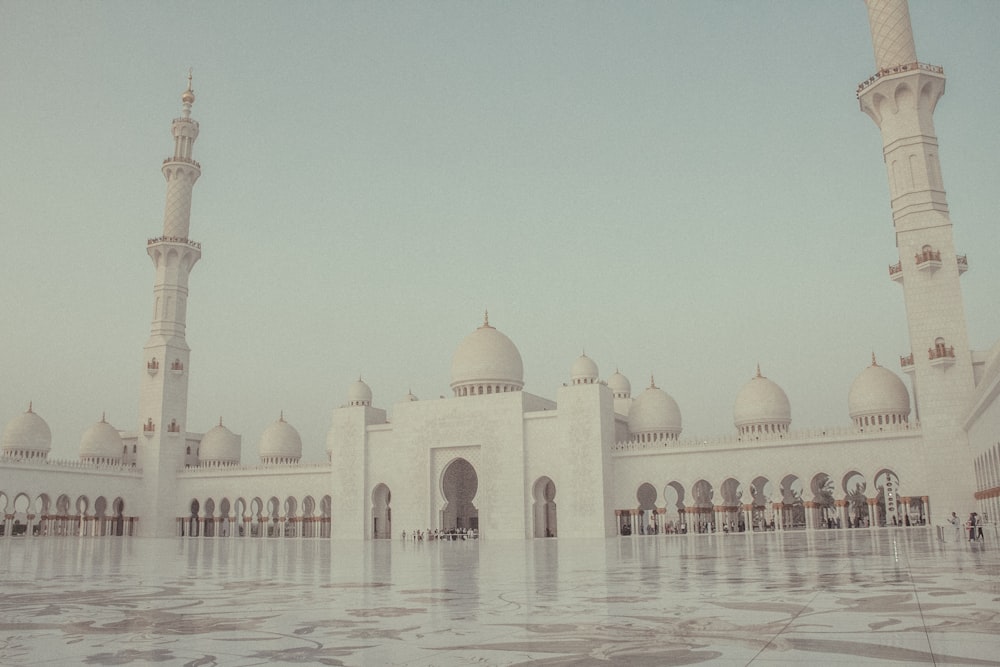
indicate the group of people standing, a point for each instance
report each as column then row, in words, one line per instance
column 973, row 526
column 442, row 534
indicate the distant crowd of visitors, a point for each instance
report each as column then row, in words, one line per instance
column 442, row 534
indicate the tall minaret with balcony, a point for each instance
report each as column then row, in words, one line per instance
column 163, row 394
column 900, row 97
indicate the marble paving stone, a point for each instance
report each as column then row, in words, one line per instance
column 889, row 596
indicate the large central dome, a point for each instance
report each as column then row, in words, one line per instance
column 486, row 362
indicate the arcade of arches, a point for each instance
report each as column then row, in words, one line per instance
column 849, row 500
column 786, row 503
column 22, row 515
column 257, row 518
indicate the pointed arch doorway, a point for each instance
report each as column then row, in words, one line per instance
column 381, row 513
column 459, row 484
column 544, row 507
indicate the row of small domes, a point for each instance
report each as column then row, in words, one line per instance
column 487, row 356
column 29, row 436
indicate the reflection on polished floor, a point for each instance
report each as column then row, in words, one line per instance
column 883, row 596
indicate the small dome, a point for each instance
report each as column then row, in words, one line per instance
column 584, row 370
column 762, row 406
column 619, row 385
column 359, row 393
column 26, row 435
column 101, row 442
column 877, row 391
column 280, row 443
column 654, row 412
column 486, row 362
column 409, row 398
column 220, row 446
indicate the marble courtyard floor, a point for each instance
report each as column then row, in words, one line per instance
column 894, row 596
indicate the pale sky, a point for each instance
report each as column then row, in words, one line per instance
column 682, row 189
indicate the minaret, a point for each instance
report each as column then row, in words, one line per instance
column 900, row 98
column 164, row 384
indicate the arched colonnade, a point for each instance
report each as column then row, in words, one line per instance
column 763, row 503
column 257, row 518
column 24, row 515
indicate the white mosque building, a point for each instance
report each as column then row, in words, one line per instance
column 598, row 459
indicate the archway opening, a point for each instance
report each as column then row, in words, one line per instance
column 646, row 518
column 459, row 484
column 824, row 503
column 381, row 513
column 703, row 493
column 855, row 488
column 544, row 507
column 793, row 513
column 193, row 525
column 675, row 520
column 762, row 512
column 118, row 508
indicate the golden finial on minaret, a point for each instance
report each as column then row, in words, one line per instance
column 758, row 370
column 874, row 363
column 187, row 97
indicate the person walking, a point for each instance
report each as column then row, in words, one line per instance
column 956, row 525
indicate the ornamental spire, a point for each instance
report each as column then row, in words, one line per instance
column 187, row 97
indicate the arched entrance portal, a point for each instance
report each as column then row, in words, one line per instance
column 646, row 512
column 459, row 484
column 381, row 513
column 544, row 494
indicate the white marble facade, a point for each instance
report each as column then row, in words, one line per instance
column 596, row 461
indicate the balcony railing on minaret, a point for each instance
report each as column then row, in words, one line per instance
column 927, row 259
column 185, row 160
column 898, row 69
column 940, row 354
column 896, row 271
column 174, row 239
